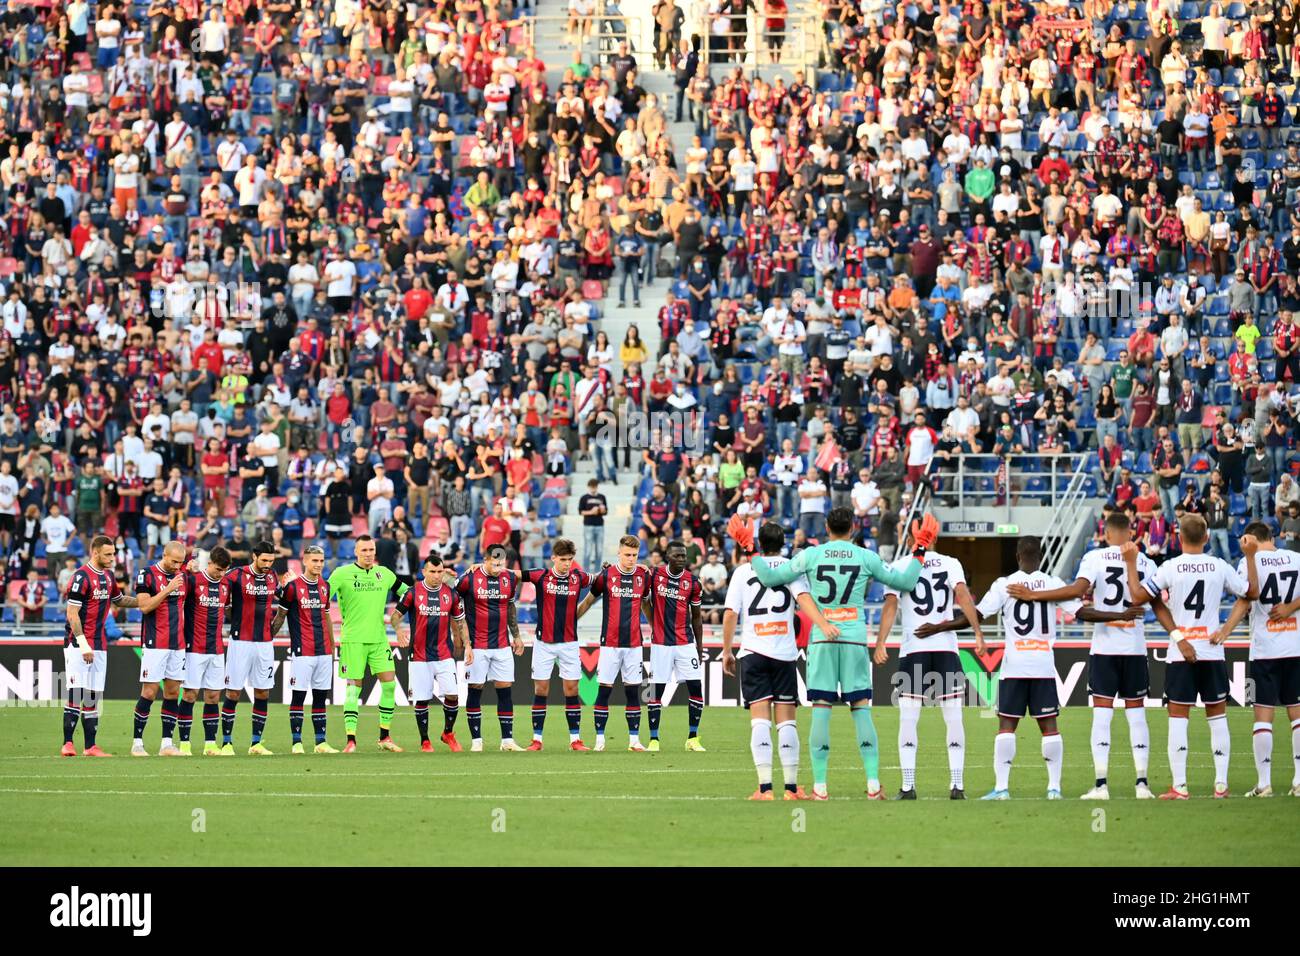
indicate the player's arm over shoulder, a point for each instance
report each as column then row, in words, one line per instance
column 774, row 576
column 901, row 576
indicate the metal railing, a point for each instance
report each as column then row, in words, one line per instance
column 983, row 481
column 600, row 37
column 1066, row 518
column 798, row 49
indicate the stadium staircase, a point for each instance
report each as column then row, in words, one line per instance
column 556, row 51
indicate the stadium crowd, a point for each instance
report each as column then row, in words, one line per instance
column 292, row 271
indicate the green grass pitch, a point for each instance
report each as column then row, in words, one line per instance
column 564, row 808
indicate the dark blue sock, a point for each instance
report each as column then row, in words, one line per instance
column 473, row 713
column 601, row 710
column 319, row 714
column 295, row 714
column 694, row 706
column 259, row 720
column 633, row 697
column 142, row 708
column 539, row 715
column 184, row 719
column 228, row 708
column 653, row 710
column 573, row 714
column 506, row 712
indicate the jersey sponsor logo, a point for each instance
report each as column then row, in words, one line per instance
column 562, row 588
column 840, row 614
column 624, row 592
column 770, row 628
column 257, row 590
column 1196, row 633
column 1283, row 626
column 1032, row 645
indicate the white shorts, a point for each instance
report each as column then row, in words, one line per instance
column 157, row 664
column 205, row 671
column 497, row 664
column 425, row 676
column 311, row 673
column 546, row 657
column 250, row 663
column 674, row 663
column 620, row 660
column 81, row 675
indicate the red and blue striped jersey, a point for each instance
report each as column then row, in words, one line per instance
column 620, row 624
column 557, row 603
column 430, row 611
column 205, row 612
column 163, row 627
column 486, row 600
column 251, row 599
column 671, row 600
column 91, row 592
column 306, row 605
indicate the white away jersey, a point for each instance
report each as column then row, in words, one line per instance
column 1107, row 573
column 765, row 616
column 1279, row 572
column 1028, row 627
column 932, row 601
column 1196, row 583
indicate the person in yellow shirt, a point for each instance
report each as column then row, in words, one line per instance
column 633, row 350
column 1248, row 334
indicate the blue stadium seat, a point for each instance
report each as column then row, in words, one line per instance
column 1236, row 504
column 548, row 508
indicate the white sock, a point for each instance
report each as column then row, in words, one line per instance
column 1295, row 752
column 1004, row 752
column 760, row 747
column 1139, row 737
column 1262, row 740
column 1221, row 744
column 166, row 742
column 137, row 742
column 1053, row 753
column 1101, row 718
column 1178, row 751
column 633, row 739
column 951, row 710
column 909, row 715
column 787, row 738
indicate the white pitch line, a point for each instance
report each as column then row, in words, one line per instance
column 498, row 797
column 503, row 797
column 183, row 775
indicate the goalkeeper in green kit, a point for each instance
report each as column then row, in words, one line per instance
column 361, row 590
column 839, row 573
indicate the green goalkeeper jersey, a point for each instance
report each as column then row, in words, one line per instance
column 839, row 574
column 362, row 597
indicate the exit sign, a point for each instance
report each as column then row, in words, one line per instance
column 1008, row 529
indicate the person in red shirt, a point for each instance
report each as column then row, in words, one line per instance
column 209, row 354
column 417, row 301
column 1142, row 345
column 495, row 530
